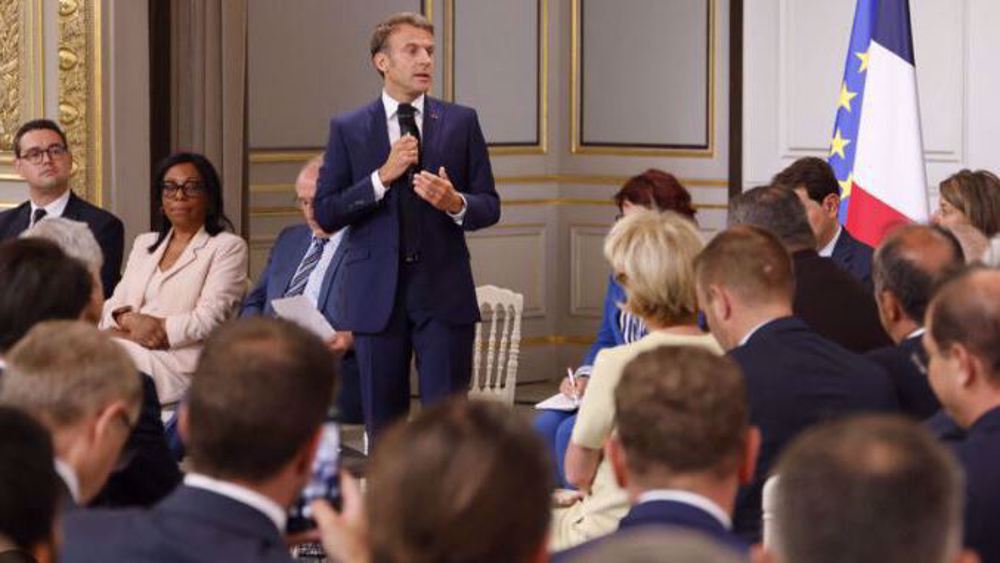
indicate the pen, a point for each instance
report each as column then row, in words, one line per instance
column 572, row 382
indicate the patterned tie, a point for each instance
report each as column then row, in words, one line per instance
column 38, row 215
column 306, row 267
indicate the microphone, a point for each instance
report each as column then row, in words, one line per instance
column 408, row 126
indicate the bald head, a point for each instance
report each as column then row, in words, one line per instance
column 910, row 264
column 966, row 311
column 305, row 192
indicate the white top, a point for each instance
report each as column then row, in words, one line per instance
column 274, row 512
column 693, row 499
column 315, row 283
column 827, row 251
column 54, row 209
column 919, row 332
column 391, row 120
column 68, row 475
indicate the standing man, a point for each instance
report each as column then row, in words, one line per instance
column 409, row 174
column 42, row 157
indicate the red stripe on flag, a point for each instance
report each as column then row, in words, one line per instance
column 869, row 219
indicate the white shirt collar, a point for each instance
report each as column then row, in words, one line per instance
column 56, row 207
column 391, row 105
column 68, row 475
column 827, row 251
column 689, row 498
column 919, row 332
column 746, row 337
column 274, row 512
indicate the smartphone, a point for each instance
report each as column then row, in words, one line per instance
column 324, row 483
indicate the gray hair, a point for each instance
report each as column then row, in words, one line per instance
column 776, row 209
column 72, row 237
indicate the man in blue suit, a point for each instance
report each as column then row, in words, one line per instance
column 683, row 443
column 305, row 260
column 795, row 378
column 409, row 174
column 963, row 332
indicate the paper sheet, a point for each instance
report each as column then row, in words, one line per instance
column 300, row 311
column 558, row 402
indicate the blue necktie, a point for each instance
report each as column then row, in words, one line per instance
column 306, row 267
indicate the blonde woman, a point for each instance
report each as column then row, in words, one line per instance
column 652, row 255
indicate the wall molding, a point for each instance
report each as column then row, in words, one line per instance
column 22, row 78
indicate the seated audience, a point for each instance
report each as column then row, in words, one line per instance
column 251, row 420
column 963, row 332
column 682, row 444
column 653, row 189
column 81, row 386
column 294, row 269
column 182, row 281
column 970, row 198
column 463, row 482
column 43, row 158
column 814, row 182
column 150, row 472
column 795, row 377
column 29, row 491
column 909, row 264
column 868, row 490
column 827, row 298
column 652, row 255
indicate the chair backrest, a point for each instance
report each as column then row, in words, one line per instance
column 498, row 344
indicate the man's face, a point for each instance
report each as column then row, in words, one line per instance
column 822, row 220
column 407, row 62
column 305, row 195
column 51, row 171
column 941, row 370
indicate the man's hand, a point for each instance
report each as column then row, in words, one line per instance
column 574, row 391
column 146, row 330
column 438, row 191
column 404, row 153
column 344, row 534
column 341, row 342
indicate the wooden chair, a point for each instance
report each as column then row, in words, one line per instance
column 497, row 345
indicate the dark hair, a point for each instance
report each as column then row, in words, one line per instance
column 749, row 260
column 776, row 209
column 38, row 282
column 384, row 28
column 261, row 390
column 29, row 497
column 812, row 174
column 465, row 481
column 977, row 194
column 912, row 261
column 35, row 125
column 871, row 489
column 657, row 190
column 966, row 311
column 215, row 218
column 682, row 410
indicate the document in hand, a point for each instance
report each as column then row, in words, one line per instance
column 300, row 311
column 558, row 402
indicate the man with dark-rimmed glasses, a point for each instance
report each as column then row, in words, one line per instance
column 43, row 158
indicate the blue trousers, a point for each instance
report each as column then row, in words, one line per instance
column 556, row 428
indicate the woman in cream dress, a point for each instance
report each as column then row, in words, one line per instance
column 652, row 255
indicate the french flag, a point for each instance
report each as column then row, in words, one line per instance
column 876, row 150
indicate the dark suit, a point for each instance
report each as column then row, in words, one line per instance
column 189, row 525
column 107, row 229
column 835, row 304
column 910, row 381
column 289, row 249
column 394, row 306
column 854, row 256
column 980, row 457
column 795, row 379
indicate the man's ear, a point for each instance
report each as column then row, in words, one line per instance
column 721, row 302
column 889, row 306
column 969, row 366
column 831, row 205
column 304, row 459
column 381, row 61
column 615, row 452
column 748, row 461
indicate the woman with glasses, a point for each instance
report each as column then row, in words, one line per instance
column 182, row 281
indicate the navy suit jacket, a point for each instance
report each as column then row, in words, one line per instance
column 913, row 390
column 854, row 256
column 796, row 378
column 189, row 525
column 359, row 145
column 107, row 229
column 980, row 456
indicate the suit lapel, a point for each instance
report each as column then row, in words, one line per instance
column 433, row 111
column 21, row 220
column 199, row 241
column 146, row 270
column 379, row 130
column 331, row 272
column 290, row 260
column 72, row 210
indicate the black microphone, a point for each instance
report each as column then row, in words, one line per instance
column 408, row 126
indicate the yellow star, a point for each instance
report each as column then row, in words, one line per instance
column 845, row 97
column 837, row 145
column 864, row 61
column 846, row 185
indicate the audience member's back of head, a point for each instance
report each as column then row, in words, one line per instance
column 463, row 482
column 911, row 262
column 681, row 410
column 29, row 490
column 867, row 490
column 657, row 545
column 966, row 311
column 38, row 282
column 259, row 395
column 776, row 209
column 751, row 262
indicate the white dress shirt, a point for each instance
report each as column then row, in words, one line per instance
column 274, row 512
column 693, row 499
column 69, row 476
column 53, row 209
column 827, row 251
column 315, row 283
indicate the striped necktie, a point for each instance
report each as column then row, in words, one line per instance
column 306, row 267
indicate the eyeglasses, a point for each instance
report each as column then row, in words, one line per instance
column 191, row 188
column 36, row 155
